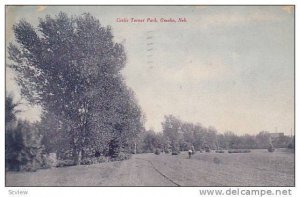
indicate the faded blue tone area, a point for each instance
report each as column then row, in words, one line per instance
column 229, row 67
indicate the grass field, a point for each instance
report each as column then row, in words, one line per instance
column 258, row 168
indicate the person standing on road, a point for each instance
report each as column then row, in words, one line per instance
column 190, row 153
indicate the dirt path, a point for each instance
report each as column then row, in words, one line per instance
column 139, row 171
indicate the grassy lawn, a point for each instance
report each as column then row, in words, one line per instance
column 84, row 175
column 258, row 168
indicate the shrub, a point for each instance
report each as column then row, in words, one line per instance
column 88, row 161
column 102, row 159
column 207, row 149
column 239, row 151
column 157, row 151
column 167, row 151
column 114, row 149
column 42, row 162
column 246, row 151
column 121, row 156
column 174, row 152
column 97, row 154
column 30, row 166
column 50, row 160
column 271, row 148
column 64, row 163
column 93, row 160
column 220, row 151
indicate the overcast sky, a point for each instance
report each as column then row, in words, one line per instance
column 231, row 67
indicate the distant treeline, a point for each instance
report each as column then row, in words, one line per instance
column 178, row 135
column 27, row 145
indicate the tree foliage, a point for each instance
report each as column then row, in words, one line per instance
column 10, row 110
column 23, row 149
column 71, row 67
column 172, row 130
column 184, row 135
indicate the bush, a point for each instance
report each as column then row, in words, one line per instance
column 121, row 156
column 167, row 151
column 97, row 154
column 65, row 163
column 207, row 149
column 157, row 151
column 93, row 160
column 175, row 150
column 271, row 148
column 114, row 149
column 30, row 166
column 42, row 162
column 50, row 160
column 239, row 151
column 88, row 161
column 102, row 159
column 220, row 151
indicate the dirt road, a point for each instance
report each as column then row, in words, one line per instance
column 139, row 171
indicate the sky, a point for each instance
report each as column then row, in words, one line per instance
column 230, row 67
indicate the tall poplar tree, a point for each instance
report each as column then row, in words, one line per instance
column 71, row 67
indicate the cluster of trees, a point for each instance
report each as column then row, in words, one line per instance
column 262, row 140
column 71, row 67
column 178, row 135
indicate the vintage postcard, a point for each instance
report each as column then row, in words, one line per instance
column 150, row 95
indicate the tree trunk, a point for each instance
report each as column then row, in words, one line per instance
column 77, row 156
